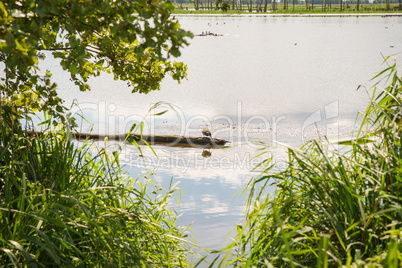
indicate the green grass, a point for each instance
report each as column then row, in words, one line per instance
column 61, row 205
column 333, row 207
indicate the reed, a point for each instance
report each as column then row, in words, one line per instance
column 332, row 207
column 63, row 206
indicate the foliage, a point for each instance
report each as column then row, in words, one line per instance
column 131, row 39
column 223, row 5
column 332, row 207
column 62, row 205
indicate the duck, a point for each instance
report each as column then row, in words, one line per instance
column 206, row 132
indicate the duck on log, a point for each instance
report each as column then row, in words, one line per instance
column 166, row 139
column 170, row 140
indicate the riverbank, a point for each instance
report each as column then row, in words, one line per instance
column 287, row 14
column 289, row 9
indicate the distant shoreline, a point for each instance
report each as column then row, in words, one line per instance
column 288, row 15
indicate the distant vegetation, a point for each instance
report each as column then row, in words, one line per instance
column 288, row 7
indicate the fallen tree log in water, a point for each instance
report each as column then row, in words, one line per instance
column 153, row 139
column 166, row 139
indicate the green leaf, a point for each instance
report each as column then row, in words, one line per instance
column 134, row 142
column 131, row 130
column 3, row 10
column 55, row 27
column 161, row 113
column 12, row 256
column 59, row 55
column 115, row 28
column 141, row 128
column 23, row 251
column 10, row 40
column 19, row 46
column 73, row 69
column 150, row 147
column 116, row 157
column 105, row 42
column 175, row 52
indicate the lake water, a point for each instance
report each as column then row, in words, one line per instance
column 271, row 78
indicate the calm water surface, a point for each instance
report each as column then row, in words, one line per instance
column 265, row 77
